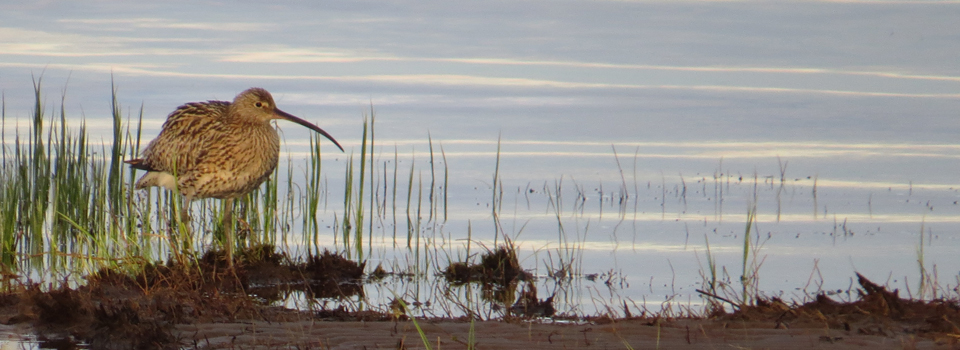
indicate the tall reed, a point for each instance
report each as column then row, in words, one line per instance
column 66, row 203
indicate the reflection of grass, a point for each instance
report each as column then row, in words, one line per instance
column 923, row 268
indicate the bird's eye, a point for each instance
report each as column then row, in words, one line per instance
column 259, row 104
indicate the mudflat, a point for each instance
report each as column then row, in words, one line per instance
column 619, row 334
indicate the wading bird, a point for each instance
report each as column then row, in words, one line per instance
column 217, row 149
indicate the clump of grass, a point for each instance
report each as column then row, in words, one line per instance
column 499, row 273
column 927, row 286
column 710, row 281
column 720, row 289
column 498, row 266
column 748, row 277
column 66, row 203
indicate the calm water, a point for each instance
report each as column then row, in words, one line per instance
column 706, row 105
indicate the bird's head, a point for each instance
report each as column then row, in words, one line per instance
column 257, row 104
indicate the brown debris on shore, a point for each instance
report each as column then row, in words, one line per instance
column 876, row 311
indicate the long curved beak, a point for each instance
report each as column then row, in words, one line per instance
column 290, row 117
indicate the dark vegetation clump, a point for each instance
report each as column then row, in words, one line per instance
column 60, row 309
column 123, row 325
column 66, row 316
column 499, row 266
column 331, row 275
column 330, row 266
column 877, row 311
column 499, row 273
column 528, row 305
column 119, row 309
column 378, row 273
column 459, row 273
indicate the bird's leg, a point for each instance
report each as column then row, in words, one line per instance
column 187, row 222
column 185, row 231
column 228, row 230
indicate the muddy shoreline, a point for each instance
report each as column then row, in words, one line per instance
column 200, row 304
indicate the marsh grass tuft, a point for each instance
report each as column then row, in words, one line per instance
column 65, row 203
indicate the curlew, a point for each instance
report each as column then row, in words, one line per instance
column 217, row 149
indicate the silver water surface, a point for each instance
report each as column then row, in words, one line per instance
column 720, row 99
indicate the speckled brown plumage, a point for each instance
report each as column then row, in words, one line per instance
column 217, row 149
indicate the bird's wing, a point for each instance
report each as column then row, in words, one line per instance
column 185, row 137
